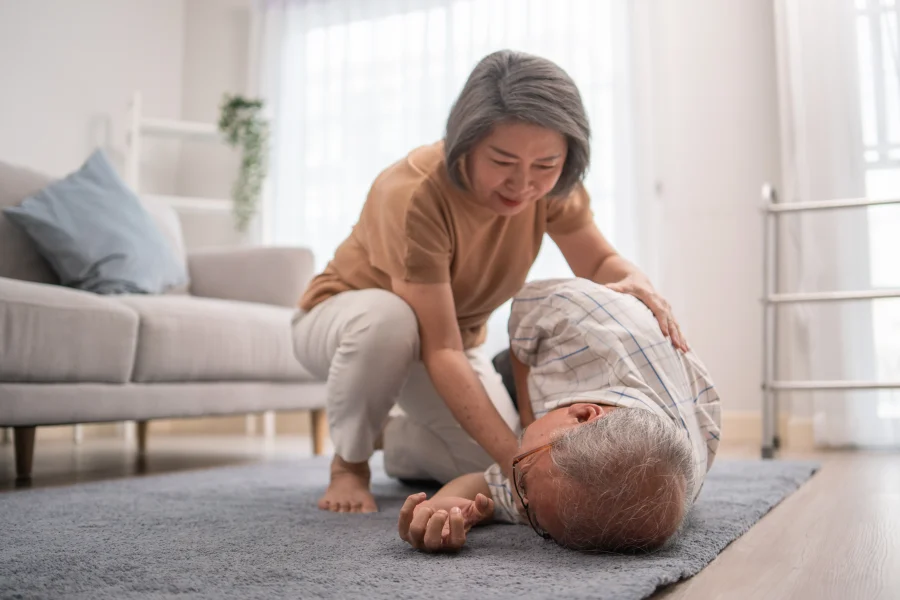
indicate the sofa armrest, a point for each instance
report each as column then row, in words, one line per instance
column 265, row 274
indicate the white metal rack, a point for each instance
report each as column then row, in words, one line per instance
column 141, row 126
column 772, row 299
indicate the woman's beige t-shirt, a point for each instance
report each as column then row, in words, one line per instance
column 416, row 225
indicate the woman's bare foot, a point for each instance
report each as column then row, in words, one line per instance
column 349, row 488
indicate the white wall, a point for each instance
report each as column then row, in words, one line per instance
column 715, row 140
column 66, row 65
column 216, row 54
column 68, row 69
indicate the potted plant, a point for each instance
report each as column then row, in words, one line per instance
column 242, row 123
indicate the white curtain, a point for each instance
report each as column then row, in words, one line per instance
column 823, row 108
column 354, row 85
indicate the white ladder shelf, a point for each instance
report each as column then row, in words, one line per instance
column 772, row 299
column 141, row 126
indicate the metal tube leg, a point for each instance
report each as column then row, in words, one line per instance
column 770, row 329
column 776, row 434
column 768, row 423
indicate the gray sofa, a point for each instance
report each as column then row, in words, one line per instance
column 220, row 346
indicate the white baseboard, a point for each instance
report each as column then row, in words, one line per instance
column 746, row 428
column 285, row 423
column 740, row 428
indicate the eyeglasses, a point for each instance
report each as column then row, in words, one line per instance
column 520, row 488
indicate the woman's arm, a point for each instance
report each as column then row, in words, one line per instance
column 450, row 371
column 591, row 256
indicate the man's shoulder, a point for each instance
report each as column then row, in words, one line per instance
column 574, row 290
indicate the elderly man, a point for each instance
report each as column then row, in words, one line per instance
column 620, row 430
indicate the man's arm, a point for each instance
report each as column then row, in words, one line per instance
column 462, row 493
column 465, row 486
column 523, row 400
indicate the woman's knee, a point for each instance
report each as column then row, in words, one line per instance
column 388, row 325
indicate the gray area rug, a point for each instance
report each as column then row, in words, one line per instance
column 254, row 532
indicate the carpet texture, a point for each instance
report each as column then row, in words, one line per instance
column 254, row 532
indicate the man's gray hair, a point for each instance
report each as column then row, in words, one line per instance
column 513, row 86
column 627, row 482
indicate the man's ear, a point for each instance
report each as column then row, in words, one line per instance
column 585, row 412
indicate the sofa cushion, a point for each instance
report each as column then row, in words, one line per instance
column 96, row 234
column 169, row 224
column 183, row 338
column 19, row 257
column 52, row 334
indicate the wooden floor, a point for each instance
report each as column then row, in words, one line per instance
column 837, row 537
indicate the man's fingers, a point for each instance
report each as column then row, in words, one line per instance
column 484, row 505
column 406, row 514
column 481, row 509
column 418, row 526
column 457, row 529
column 433, row 537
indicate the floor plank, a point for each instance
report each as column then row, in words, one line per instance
column 837, row 537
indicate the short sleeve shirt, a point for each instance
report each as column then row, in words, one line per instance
column 418, row 226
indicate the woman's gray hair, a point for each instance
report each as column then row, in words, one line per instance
column 514, row 86
column 627, row 482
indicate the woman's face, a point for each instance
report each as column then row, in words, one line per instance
column 515, row 165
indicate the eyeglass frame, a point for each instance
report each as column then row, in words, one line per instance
column 516, row 461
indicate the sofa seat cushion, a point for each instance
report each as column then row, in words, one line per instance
column 53, row 334
column 185, row 338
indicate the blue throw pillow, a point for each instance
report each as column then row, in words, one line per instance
column 96, row 235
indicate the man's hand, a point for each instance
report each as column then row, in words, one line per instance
column 441, row 524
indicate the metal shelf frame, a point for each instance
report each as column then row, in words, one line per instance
column 772, row 210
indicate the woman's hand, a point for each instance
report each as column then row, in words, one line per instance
column 441, row 524
column 643, row 291
column 591, row 256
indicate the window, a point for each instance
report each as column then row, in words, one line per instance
column 877, row 26
column 361, row 83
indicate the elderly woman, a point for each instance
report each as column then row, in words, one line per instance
column 621, row 429
column 446, row 236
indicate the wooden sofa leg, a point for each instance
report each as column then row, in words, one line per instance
column 142, row 427
column 319, row 430
column 24, row 439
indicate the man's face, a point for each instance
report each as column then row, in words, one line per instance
column 514, row 165
column 539, row 476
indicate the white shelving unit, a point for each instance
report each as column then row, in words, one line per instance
column 141, row 127
column 772, row 299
